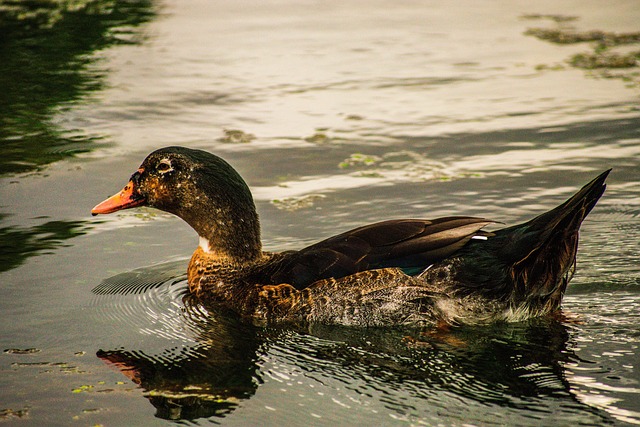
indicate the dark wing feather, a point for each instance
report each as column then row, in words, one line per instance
column 409, row 244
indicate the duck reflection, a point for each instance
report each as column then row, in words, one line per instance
column 207, row 380
column 497, row 364
column 507, row 365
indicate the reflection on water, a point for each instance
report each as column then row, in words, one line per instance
column 46, row 52
column 213, row 366
column 17, row 243
column 221, row 361
column 199, row 382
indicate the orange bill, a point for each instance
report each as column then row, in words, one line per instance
column 123, row 200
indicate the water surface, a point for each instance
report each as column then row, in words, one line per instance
column 337, row 114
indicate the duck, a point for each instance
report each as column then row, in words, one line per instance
column 398, row 272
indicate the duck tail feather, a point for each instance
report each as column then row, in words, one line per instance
column 541, row 253
column 564, row 220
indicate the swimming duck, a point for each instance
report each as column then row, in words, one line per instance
column 445, row 271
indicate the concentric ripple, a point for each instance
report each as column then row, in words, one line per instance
column 141, row 280
column 150, row 300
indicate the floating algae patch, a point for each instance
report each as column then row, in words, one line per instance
column 569, row 35
column 322, row 136
column 22, row 350
column 588, row 61
column 360, row 160
column 8, row 413
column 552, row 17
column 319, row 138
column 295, row 203
column 236, row 136
column 82, row 389
column 104, row 387
column 403, row 165
column 612, row 54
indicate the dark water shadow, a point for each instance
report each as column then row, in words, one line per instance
column 17, row 244
column 211, row 367
column 207, row 380
column 601, row 132
column 46, row 48
column 517, row 366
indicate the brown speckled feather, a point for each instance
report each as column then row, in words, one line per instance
column 368, row 298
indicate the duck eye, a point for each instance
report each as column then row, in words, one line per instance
column 164, row 166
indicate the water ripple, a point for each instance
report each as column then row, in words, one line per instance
column 148, row 300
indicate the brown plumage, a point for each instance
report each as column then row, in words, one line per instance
column 408, row 271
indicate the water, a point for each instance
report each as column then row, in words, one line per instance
column 353, row 112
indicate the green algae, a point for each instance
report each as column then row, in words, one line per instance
column 236, row 136
column 611, row 55
column 295, row 203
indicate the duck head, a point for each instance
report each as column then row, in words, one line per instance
column 203, row 190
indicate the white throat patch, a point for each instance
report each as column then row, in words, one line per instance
column 204, row 243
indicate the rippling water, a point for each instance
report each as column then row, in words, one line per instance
column 337, row 114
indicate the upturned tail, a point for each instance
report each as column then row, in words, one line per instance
column 528, row 266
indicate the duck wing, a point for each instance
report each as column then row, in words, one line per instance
column 409, row 244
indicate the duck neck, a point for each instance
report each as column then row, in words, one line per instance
column 230, row 239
